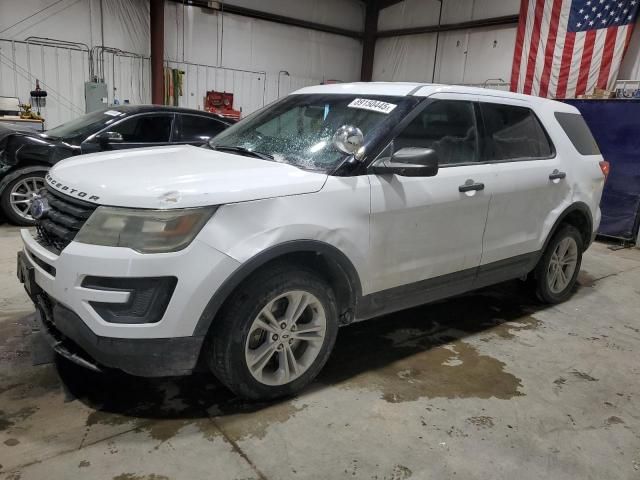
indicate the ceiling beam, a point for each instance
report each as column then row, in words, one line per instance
column 388, row 3
column 225, row 7
column 485, row 22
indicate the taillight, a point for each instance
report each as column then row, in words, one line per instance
column 604, row 166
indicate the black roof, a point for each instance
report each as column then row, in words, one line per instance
column 132, row 109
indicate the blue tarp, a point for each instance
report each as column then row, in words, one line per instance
column 615, row 124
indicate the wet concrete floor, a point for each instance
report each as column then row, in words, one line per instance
column 488, row 385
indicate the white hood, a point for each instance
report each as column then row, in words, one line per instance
column 177, row 177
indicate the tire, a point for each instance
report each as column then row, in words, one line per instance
column 21, row 189
column 555, row 284
column 237, row 337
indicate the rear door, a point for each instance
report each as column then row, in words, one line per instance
column 195, row 129
column 529, row 185
column 429, row 229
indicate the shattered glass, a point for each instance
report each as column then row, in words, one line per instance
column 298, row 130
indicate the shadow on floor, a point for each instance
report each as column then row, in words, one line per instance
column 362, row 348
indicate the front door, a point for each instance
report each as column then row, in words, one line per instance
column 426, row 233
column 144, row 130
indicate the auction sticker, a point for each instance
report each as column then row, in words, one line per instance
column 373, row 105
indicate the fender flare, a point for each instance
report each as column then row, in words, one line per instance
column 574, row 207
column 247, row 268
column 19, row 172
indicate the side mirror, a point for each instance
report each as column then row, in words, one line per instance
column 109, row 137
column 410, row 162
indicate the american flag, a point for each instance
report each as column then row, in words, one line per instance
column 565, row 48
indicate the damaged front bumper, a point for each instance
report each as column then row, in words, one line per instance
column 71, row 338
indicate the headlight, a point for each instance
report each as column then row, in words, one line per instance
column 146, row 231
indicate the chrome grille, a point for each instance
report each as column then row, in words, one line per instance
column 62, row 221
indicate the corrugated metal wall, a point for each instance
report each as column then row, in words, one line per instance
column 470, row 56
column 249, row 88
column 131, row 77
column 233, row 53
column 252, row 90
column 231, row 43
column 216, row 51
column 62, row 72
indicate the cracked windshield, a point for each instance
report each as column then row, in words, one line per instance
column 298, row 130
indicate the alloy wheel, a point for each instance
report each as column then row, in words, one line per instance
column 562, row 265
column 285, row 338
column 22, row 194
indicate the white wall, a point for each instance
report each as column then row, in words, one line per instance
column 630, row 67
column 418, row 13
column 126, row 22
column 464, row 56
column 337, row 13
column 245, row 55
column 62, row 71
column 220, row 45
column 219, row 42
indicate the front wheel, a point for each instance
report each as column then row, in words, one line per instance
column 17, row 196
column 556, row 272
column 274, row 334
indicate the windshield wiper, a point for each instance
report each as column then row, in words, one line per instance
column 242, row 150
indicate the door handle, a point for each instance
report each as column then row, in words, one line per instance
column 557, row 175
column 470, row 186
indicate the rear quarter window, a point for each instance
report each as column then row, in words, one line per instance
column 578, row 132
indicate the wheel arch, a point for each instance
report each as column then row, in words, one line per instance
column 322, row 257
column 18, row 172
column 578, row 215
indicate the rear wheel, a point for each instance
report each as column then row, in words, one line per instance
column 17, row 196
column 274, row 334
column 556, row 272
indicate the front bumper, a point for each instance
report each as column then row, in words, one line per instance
column 76, row 330
column 68, row 335
column 199, row 269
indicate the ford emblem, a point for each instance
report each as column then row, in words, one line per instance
column 39, row 207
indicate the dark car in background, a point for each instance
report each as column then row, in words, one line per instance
column 25, row 157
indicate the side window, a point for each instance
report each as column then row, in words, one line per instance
column 513, row 133
column 448, row 127
column 578, row 132
column 196, row 128
column 145, row 129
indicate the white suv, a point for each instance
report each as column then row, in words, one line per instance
column 336, row 204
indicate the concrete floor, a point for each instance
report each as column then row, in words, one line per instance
column 489, row 385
